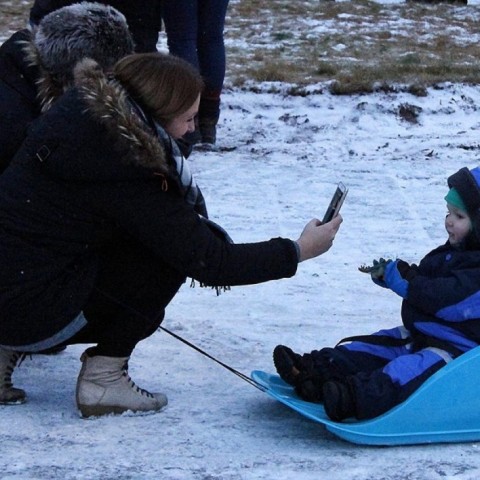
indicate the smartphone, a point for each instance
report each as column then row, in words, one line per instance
column 336, row 202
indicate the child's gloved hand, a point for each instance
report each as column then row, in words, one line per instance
column 395, row 277
column 376, row 271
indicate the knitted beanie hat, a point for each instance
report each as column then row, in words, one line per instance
column 72, row 33
column 467, row 184
column 453, row 198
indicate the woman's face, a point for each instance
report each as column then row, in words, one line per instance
column 184, row 123
column 457, row 224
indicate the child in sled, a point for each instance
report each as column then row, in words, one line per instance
column 365, row 376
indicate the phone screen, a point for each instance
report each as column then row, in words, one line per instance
column 335, row 203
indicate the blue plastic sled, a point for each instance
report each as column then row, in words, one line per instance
column 446, row 408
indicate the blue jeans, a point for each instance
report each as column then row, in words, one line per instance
column 195, row 33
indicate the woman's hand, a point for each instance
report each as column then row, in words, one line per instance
column 317, row 238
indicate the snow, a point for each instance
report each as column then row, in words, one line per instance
column 280, row 161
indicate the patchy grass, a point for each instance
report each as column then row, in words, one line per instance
column 355, row 46
column 14, row 16
column 347, row 46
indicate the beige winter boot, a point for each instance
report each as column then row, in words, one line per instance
column 9, row 395
column 104, row 387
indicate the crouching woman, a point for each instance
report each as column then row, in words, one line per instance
column 101, row 223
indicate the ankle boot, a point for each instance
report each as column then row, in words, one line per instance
column 104, row 387
column 338, row 400
column 208, row 130
column 9, row 395
column 208, row 115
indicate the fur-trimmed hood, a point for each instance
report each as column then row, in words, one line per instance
column 108, row 102
column 70, row 34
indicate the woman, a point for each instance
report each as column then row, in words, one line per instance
column 101, row 223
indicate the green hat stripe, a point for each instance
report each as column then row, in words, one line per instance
column 454, row 199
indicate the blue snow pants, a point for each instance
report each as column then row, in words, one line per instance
column 380, row 374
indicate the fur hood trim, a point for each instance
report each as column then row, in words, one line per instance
column 48, row 89
column 108, row 103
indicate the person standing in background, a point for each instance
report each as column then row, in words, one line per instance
column 194, row 31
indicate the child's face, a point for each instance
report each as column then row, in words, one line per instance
column 184, row 123
column 457, row 224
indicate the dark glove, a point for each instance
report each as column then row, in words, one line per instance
column 376, row 271
column 396, row 277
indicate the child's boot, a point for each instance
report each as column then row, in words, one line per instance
column 288, row 363
column 338, row 400
column 309, row 386
column 104, row 387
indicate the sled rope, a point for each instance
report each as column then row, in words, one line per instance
column 186, row 342
column 211, row 357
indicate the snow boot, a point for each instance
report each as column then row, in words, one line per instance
column 288, row 363
column 208, row 115
column 9, row 395
column 309, row 387
column 338, row 401
column 104, row 387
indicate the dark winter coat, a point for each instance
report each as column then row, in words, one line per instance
column 35, row 71
column 90, row 171
column 25, row 89
column 18, row 102
column 443, row 300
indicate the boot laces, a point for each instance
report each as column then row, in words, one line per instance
column 133, row 385
column 15, row 357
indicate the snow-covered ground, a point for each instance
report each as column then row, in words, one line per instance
column 277, row 166
column 281, row 161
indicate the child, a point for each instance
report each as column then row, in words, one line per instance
column 365, row 376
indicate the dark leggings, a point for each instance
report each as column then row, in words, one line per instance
column 128, row 302
column 195, row 33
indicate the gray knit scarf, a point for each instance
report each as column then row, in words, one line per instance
column 191, row 191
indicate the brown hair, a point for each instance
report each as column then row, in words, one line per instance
column 164, row 85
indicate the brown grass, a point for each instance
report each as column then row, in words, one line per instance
column 348, row 46
column 357, row 46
